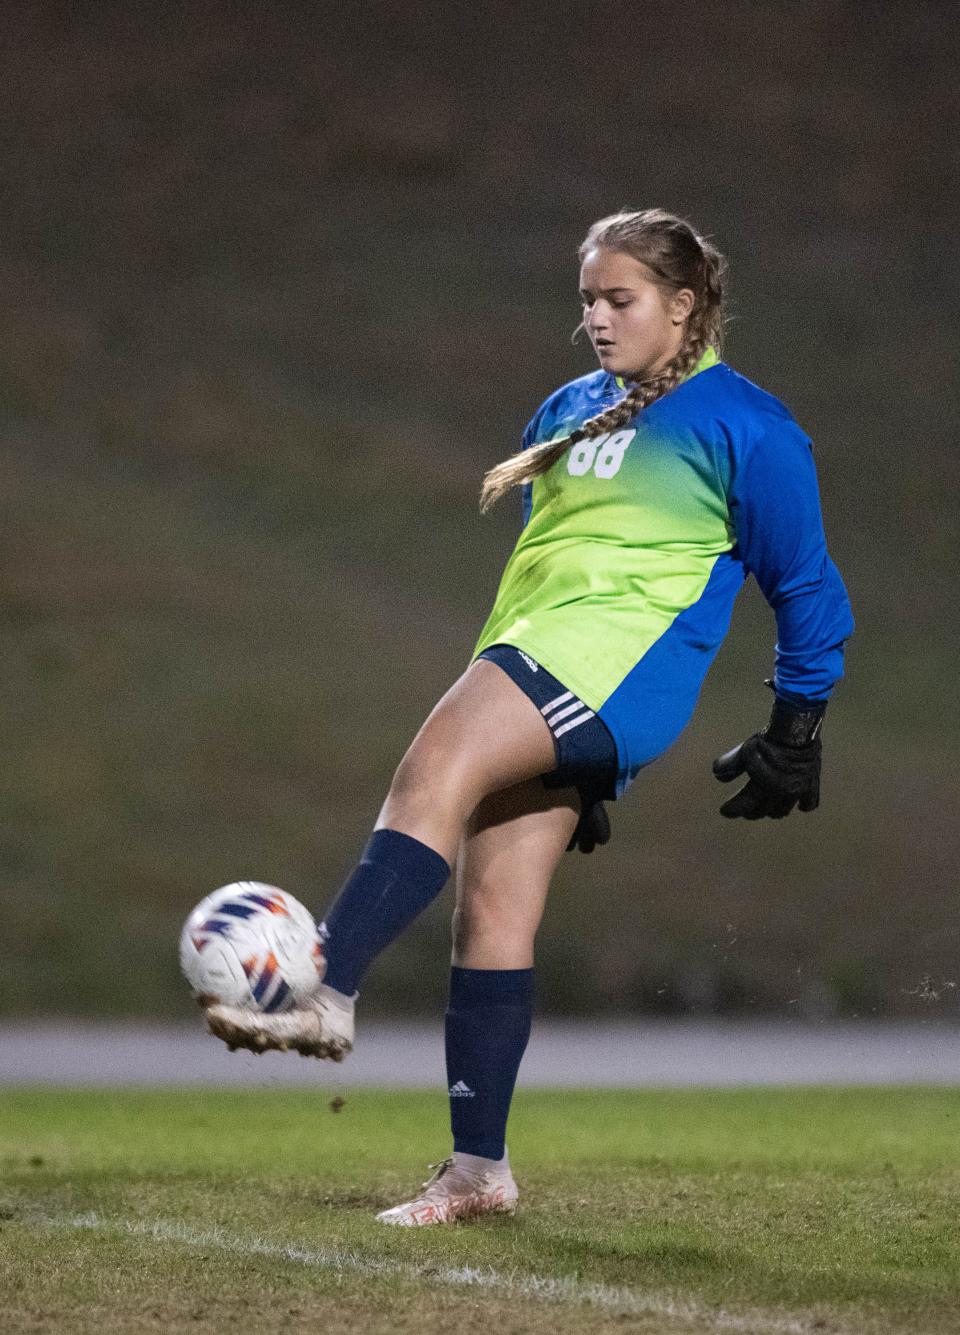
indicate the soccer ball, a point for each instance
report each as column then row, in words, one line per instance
column 251, row 945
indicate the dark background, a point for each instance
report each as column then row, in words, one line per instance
column 278, row 282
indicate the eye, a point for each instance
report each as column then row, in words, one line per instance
column 619, row 305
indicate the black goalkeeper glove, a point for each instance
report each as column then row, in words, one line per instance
column 593, row 826
column 782, row 763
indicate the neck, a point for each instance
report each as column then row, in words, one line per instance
column 657, row 367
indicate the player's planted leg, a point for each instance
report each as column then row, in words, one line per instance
column 487, row 1028
column 512, row 844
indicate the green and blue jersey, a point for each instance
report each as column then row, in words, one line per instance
column 635, row 545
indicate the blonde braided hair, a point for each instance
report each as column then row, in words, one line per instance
column 677, row 257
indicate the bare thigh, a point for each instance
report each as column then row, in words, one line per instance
column 511, row 846
column 484, row 735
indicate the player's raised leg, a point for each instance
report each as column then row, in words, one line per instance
column 483, row 736
column 510, row 850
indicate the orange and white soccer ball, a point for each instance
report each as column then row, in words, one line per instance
column 252, row 945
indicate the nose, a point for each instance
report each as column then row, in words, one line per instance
column 598, row 316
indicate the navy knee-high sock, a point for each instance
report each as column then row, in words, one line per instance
column 395, row 880
column 487, row 1028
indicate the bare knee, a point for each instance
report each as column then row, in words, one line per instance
column 493, row 931
column 430, row 799
column 431, row 779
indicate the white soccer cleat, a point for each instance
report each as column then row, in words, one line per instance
column 321, row 1026
column 454, row 1193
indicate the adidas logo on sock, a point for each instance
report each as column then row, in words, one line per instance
column 461, row 1091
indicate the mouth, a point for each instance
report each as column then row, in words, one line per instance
column 604, row 345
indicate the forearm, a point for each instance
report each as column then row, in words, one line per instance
column 813, row 622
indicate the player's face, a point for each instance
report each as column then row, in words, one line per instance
column 635, row 325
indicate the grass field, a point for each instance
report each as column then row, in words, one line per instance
column 763, row 1211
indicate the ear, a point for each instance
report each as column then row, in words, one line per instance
column 681, row 304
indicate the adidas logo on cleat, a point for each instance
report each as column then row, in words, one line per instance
column 461, row 1091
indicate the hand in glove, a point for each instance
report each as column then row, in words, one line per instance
column 782, row 763
column 593, row 826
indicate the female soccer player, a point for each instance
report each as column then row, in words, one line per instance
column 651, row 489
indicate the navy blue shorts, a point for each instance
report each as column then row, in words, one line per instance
column 586, row 751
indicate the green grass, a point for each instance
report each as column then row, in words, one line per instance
column 756, row 1211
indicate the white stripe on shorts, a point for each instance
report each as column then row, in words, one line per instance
column 567, row 695
column 562, row 713
column 575, row 722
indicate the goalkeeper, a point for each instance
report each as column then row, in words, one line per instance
column 651, row 489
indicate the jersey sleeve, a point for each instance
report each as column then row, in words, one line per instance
column 533, row 433
column 775, row 509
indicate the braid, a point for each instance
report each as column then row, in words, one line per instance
column 704, row 274
column 539, row 459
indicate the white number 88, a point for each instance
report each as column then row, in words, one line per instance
column 604, row 454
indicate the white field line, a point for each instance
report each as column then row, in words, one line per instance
column 513, row 1284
